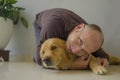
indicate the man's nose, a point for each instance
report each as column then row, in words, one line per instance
column 77, row 49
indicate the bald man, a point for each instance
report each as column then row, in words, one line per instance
column 81, row 37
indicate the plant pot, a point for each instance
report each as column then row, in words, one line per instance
column 6, row 30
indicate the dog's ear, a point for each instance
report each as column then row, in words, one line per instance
column 63, row 45
column 60, row 42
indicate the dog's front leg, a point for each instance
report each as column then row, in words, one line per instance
column 96, row 67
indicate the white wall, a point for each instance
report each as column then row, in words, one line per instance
column 104, row 13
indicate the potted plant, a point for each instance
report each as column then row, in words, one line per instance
column 9, row 16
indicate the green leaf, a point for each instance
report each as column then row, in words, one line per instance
column 9, row 10
column 11, row 1
column 15, row 17
column 24, row 21
column 1, row 1
column 20, row 8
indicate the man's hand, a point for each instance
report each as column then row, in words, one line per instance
column 104, row 62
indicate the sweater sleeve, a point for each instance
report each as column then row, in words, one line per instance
column 101, row 53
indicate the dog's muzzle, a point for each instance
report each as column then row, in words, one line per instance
column 48, row 61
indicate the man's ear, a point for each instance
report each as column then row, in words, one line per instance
column 80, row 26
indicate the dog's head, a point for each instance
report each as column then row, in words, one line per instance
column 52, row 52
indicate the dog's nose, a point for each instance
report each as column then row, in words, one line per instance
column 47, row 60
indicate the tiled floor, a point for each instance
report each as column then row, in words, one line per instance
column 31, row 71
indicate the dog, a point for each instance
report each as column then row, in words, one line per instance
column 54, row 55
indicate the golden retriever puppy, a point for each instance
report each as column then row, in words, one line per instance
column 54, row 55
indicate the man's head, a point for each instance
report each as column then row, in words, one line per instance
column 85, row 38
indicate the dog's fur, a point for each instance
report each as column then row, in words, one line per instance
column 54, row 55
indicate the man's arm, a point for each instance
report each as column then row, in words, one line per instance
column 103, row 57
column 80, row 63
column 101, row 53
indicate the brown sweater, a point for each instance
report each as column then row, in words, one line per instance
column 57, row 23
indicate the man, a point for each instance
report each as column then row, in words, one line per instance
column 81, row 37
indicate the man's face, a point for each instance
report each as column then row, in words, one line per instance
column 84, row 39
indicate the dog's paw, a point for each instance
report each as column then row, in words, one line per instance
column 100, row 70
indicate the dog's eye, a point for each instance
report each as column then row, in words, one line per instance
column 53, row 47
